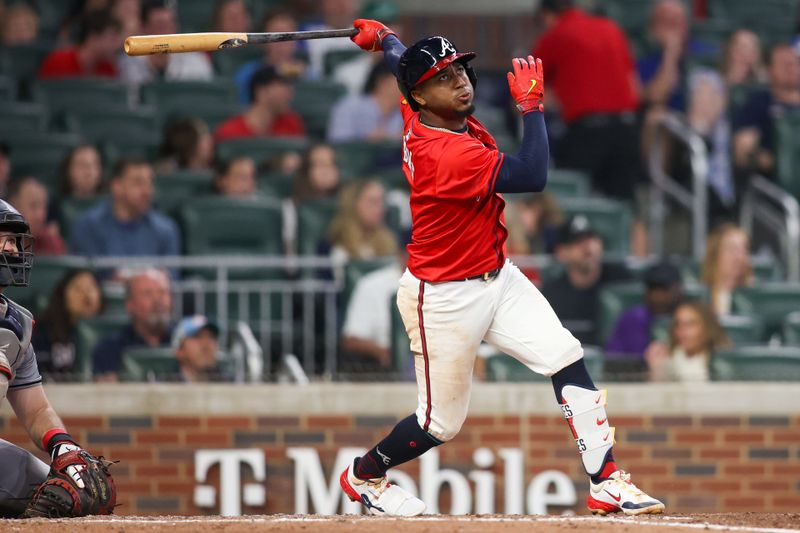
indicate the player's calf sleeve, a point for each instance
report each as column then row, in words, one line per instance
column 584, row 408
column 405, row 442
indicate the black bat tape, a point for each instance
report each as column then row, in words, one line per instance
column 256, row 38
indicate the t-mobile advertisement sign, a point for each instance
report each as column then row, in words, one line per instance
column 319, row 493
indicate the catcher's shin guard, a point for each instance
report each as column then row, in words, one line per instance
column 585, row 412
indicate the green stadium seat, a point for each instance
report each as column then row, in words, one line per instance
column 116, row 124
column 71, row 208
column 40, row 154
column 742, row 330
column 313, row 219
column 757, row 363
column 770, row 302
column 773, row 19
column 197, row 15
column 75, row 94
column 88, row 333
column 189, row 97
column 563, row 183
column 504, row 368
column 787, row 134
column 18, row 117
column 51, row 14
column 261, row 149
column 360, row 159
column 134, row 146
column 791, row 329
column 226, row 65
column 314, row 100
column 48, row 270
column 149, row 364
column 276, row 184
column 8, row 88
column 172, row 190
column 22, row 62
column 610, row 218
column 213, row 116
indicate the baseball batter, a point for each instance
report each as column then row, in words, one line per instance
column 69, row 486
column 460, row 289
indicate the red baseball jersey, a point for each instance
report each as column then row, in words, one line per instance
column 458, row 225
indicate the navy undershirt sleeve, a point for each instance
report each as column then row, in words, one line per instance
column 392, row 50
column 526, row 171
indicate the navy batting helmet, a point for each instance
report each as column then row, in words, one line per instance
column 15, row 266
column 424, row 59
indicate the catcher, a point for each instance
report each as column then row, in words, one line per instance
column 75, row 483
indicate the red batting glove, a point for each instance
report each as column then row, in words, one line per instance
column 527, row 84
column 370, row 34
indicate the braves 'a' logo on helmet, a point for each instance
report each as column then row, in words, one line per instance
column 447, row 47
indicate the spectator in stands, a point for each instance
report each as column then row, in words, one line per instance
column 283, row 57
column 318, row 177
column 371, row 116
column 5, row 168
column 742, row 63
column 148, row 302
column 76, row 297
column 232, row 16
column 159, row 17
column 663, row 73
column 99, row 41
column 335, row 14
column 269, row 114
column 726, row 266
column 575, row 294
column 579, row 51
column 634, row 330
column 694, row 337
column 80, row 174
column 20, row 25
column 753, row 142
column 126, row 224
column 196, row 346
column 533, row 221
column 187, row 145
column 358, row 230
column 128, row 13
column 29, row 196
column 236, row 178
column 366, row 335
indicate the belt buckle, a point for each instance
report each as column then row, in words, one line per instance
column 486, row 276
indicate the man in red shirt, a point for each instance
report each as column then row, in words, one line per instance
column 590, row 67
column 95, row 54
column 459, row 289
column 270, row 112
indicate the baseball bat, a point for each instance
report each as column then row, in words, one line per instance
column 176, row 43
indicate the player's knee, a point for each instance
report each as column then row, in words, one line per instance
column 448, row 430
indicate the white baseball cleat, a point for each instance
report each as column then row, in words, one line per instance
column 379, row 496
column 617, row 493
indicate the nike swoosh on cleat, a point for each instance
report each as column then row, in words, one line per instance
column 368, row 504
column 606, row 437
column 598, row 399
column 600, row 422
column 616, row 498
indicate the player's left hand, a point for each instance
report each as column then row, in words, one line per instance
column 370, row 34
column 527, row 84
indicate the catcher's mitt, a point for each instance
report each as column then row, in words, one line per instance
column 78, row 485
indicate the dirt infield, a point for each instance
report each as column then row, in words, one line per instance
column 745, row 522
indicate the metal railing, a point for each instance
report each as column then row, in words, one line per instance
column 663, row 186
column 779, row 212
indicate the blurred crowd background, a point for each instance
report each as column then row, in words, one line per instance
column 243, row 215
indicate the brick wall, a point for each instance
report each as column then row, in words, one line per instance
column 695, row 463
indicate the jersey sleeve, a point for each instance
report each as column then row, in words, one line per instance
column 406, row 111
column 27, row 373
column 467, row 170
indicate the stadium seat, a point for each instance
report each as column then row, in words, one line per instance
column 774, row 20
column 82, row 94
column 117, row 124
column 40, row 154
column 22, row 62
column 742, row 330
column 610, row 218
column 189, row 97
column 563, row 183
column 8, row 88
column 614, row 299
column 149, row 364
column 359, row 159
column 172, row 190
column 313, row 219
column 314, row 100
column 18, row 117
column 791, row 329
column 87, row 334
column 261, row 149
column 787, row 133
column 48, row 271
column 226, row 65
column 757, row 363
column 196, row 16
column 276, row 184
column 504, row 368
column 770, row 302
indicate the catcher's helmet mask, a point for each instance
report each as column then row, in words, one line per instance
column 15, row 266
column 425, row 59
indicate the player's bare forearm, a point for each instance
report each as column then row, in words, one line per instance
column 34, row 411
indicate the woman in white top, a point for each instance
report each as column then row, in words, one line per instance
column 694, row 336
column 726, row 265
